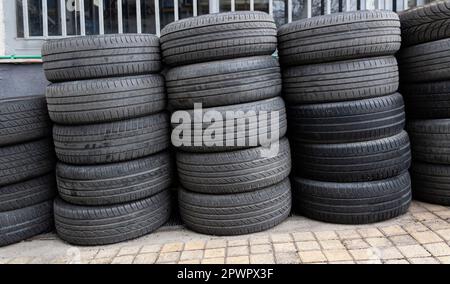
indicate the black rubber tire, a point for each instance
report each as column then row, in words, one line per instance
column 236, row 214
column 218, row 36
column 27, row 193
column 338, row 37
column 101, row 225
column 225, row 82
column 25, row 161
column 431, row 182
column 352, row 162
column 430, row 140
column 235, row 171
column 426, row 62
column 353, row 202
column 104, row 100
column 348, row 121
column 23, row 119
column 341, row 81
column 427, row 100
column 425, row 23
column 252, row 135
column 114, row 183
column 112, row 142
column 21, row 224
column 100, row 56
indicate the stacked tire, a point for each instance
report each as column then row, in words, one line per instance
column 27, row 163
column 350, row 152
column 223, row 63
column 425, row 82
column 111, row 137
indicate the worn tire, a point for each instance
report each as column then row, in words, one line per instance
column 104, row 100
column 431, row 182
column 430, row 140
column 27, row 193
column 426, row 23
column 338, row 37
column 353, row 202
column 218, row 36
column 24, row 223
column 184, row 132
column 348, row 121
column 427, row 100
column 225, row 82
column 25, row 161
column 112, row 142
column 100, row 56
column 235, row 171
column 340, row 81
column 23, row 119
column 114, row 183
column 236, row 214
column 101, row 225
column 353, row 162
column 426, row 62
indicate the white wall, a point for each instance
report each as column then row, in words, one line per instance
column 2, row 30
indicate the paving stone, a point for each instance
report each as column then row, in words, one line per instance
column 146, row 258
column 426, row 237
column 256, row 249
column 443, row 214
column 370, row 233
column 331, row 244
column 437, row 224
column 195, row 245
column 107, row 253
column 445, row 234
column 423, row 216
column 394, row 230
column 403, row 240
column 215, row 253
column 88, row 254
column 216, row 260
column 337, row 255
column 307, row 245
column 423, row 260
column 266, row 258
column 284, row 247
column 355, row 244
column 237, row 243
column 191, row 254
column 172, row 247
column 414, row 227
column 21, row 260
column 438, row 249
column 281, row 238
column 379, row 242
column 416, row 207
column 101, row 261
column 372, row 261
column 287, row 258
column 303, row 236
column 129, row 250
column 397, row 261
column 238, row 260
column 348, row 234
column 217, row 243
column 364, row 254
column 126, row 259
column 390, row 253
column 312, row 256
column 190, row 261
column 237, row 251
column 342, row 262
column 259, row 240
column 434, row 207
column 413, row 251
column 151, row 248
column 326, row 235
column 444, row 259
column 168, row 257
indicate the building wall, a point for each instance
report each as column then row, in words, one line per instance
column 2, row 30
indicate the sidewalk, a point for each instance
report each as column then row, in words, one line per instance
column 420, row 236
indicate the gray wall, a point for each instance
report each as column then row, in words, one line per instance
column 17, row 80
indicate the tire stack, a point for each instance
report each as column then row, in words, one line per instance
column 27, row 163
column 425, row 82
column 224, row 62
column 111, row 137
column 350, row 152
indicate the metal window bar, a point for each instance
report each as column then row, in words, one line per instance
column 194, row 8
column 252, row 5
column 82, row 17
column 138, row 17
column 289, row 11
column 101, row 21
column 119, row 17
column 233, row 5
column 157, row 19
column 62, row 7
column 44, row 19
column 271, row 7
column 175, row 10
column 26, row 27
column 327, row 7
